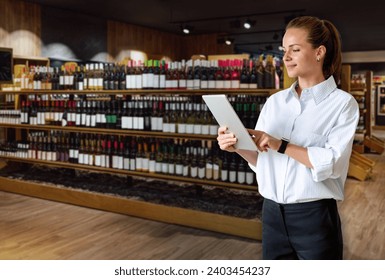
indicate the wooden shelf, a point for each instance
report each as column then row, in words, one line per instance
column 199, row 219
column 141, row 133
column 159, row 176
column 248, row 228
column 158, row 92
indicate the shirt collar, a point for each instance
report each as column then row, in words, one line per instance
column 319, row 91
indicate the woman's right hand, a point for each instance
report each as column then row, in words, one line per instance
column 226, row 140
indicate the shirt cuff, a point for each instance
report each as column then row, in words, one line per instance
column 322, row 162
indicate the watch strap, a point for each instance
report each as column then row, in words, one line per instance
column 283, row 146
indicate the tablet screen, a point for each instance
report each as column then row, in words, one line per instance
column 225, row 115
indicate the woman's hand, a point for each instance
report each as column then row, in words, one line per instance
column 265, row 141
column 226, row 141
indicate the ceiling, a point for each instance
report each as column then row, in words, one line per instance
column 361, row 24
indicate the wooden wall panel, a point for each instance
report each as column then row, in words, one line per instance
column 20, row 27
column 123, row 39
column 204, row 44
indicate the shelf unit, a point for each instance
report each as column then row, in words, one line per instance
column 360, row 166
column 225, row 224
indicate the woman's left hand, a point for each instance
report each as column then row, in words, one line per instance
column 265, row 141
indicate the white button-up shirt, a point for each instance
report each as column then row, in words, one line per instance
column 324, row 120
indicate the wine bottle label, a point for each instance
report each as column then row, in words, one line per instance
column 205, row 129
column 172, row 127
column 145, row 164
column 90, row 159
column 194, row 171
column 132, row 164
column 190, row 84
column 154, row 123
column 201, row 172
column 250, row 176
column 107, row 163
column 138, row 82
column 232, row 176
column 235, row 84
column 224, row 175
column 227, row 84
column 190, row 128
column 166, row 127
column 197, row 83
column 81, row 158
column 83, row 119
column 178, row 169
column 133, row 81
column 76, row 154
column 98, row 160
column 126, row 163
column 171, row 168
column 93, row 120
column 160, row 124
column 209, row 171
column 120, row 162
column 214, row 129
column 197, row 129
column 164, row 167
column 183, row 84
column 103, row 160
column 145, row 81
column 168, row 84
column 181, row 128
column 162, row 81
column 186, row 169
column 219, row 84
column 158, row 167
column 241, row 177
column 138, row 164
column 141, row 123
column 156, row 81
column 114, row 161
column 215, row 171
column 151, row 166
column 241, row 85
column 85, row 159
column 204, row 84
column 78, row 120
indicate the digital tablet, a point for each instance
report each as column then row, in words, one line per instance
column 225, row 115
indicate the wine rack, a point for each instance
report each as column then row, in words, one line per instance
column 249, row 228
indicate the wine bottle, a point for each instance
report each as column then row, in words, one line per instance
column 269, row 74
column 226, row 74
column 152, row 159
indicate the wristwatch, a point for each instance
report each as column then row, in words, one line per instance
column 283, row 146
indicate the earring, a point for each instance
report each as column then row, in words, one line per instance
column 318, row 59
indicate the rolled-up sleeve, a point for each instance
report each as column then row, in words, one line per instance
column 332, row 161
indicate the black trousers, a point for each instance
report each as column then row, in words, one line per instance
column 309, row 231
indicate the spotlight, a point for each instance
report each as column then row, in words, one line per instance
column 229, row 41
column 186, row 29
column 248, row 23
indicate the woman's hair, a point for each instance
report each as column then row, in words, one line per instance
column 322, row 32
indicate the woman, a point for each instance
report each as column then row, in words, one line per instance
column 304, row 136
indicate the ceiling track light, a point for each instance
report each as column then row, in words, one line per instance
column 229, row 41
column 225, row 40
column 248, row 23
column 186, row 29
